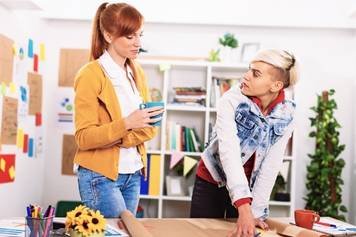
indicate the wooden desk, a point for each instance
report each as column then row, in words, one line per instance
column 186, row 227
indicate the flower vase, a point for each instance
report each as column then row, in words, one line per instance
column 75, row 233
column 229, row 55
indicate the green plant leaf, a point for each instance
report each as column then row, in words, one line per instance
column 323, row 179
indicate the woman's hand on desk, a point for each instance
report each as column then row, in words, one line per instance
column 260, row 223
column 142, row 118
column 245, row 225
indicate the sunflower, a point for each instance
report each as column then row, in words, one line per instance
column 83, row 225
column 85, row 221
column 97, row 222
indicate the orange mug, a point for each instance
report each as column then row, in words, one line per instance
column 305, row 218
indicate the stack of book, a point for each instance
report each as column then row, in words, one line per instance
column 182, row 138
column 189, row 96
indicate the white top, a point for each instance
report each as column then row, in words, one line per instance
column 129, row 99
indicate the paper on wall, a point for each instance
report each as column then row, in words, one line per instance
column 71, row 60
column 6, row 59
column 69, row 148
column 34, row 82
column 9, row 121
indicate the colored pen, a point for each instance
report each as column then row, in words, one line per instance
column 326, row 224
column 28, row 209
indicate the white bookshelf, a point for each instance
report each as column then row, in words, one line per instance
column 180, row 73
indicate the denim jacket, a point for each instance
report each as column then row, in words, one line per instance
column 240, row 131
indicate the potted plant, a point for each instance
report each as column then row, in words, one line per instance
column 229, row 43
column 324, row 171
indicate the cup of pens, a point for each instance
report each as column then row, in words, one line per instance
column 38, row 227
column 39, row 224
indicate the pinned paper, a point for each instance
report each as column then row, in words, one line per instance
column 70, row 61
column 34, row 82
column 6, row 59
column 189, row 163
column 30, row 48
column 9, row 121
column 20, row 137
column 164, row 67
column 21, row 53
column 7, row 168
column 12, row 87
column 42, row 54
column 69, row 148
column 175, row 158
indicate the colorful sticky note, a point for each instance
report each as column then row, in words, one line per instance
column 23, row 92
column 38, row 119
column 3, row 88
column 12, row 87
column 189, row 163
column 42, row 54
column 2, row 164
column 30, row 147
column 20, row 138
column 21, row 53
column 35, row 63
column 8, row 173
column 164, row 67
column 25, row 143
column 30, row 48
column 175, row 158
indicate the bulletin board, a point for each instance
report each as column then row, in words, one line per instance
column 21, row 132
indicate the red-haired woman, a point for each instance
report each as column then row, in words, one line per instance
column 110, row 127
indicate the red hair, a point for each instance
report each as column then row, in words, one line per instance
column 117, row 19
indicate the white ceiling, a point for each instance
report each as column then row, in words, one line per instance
column 295, row 13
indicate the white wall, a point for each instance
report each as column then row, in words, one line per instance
column 326, row 56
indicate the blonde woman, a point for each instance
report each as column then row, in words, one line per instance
column 240, row 164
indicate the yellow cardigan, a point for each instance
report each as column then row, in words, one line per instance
column 99, row 126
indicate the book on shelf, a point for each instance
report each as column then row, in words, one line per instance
column 189, row 95
column 150, row 186
column 182, row 138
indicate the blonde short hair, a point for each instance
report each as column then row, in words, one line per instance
column 282, row 60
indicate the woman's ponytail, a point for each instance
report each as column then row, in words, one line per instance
column 98, row 43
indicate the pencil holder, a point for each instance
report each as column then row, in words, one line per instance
column 38, row 227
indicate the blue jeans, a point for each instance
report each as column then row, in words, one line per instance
column 109, row 197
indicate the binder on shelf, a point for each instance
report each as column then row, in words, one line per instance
column 155, row 176
column 144, row 183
